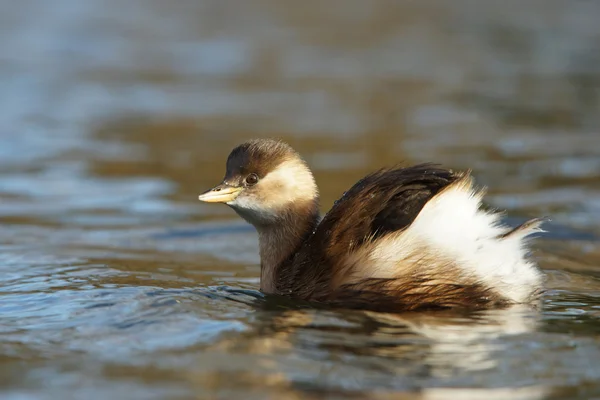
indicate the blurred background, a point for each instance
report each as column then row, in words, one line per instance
column 115, row 115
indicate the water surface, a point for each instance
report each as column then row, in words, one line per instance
column 116, row 282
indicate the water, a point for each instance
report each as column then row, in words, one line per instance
column 116, row 282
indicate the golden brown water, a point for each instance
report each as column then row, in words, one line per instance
column 117, row 283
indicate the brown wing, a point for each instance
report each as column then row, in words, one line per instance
column 382, row 202
column 386, row 201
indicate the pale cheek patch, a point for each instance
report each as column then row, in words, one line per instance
column 291, row 181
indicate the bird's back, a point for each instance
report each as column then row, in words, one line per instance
column 413, row 238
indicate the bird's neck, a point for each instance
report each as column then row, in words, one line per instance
column 279, row 242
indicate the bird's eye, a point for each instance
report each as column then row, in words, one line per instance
column 252, row 179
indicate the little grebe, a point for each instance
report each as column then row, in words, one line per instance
column 400, row 239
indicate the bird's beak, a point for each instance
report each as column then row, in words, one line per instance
column 222, row 193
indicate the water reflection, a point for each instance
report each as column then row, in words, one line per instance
column 384, row 351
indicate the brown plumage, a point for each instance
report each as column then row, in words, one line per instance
column 379, row 246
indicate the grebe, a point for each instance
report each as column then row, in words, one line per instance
column 400, row 239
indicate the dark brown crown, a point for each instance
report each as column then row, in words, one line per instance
column 259, row 156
